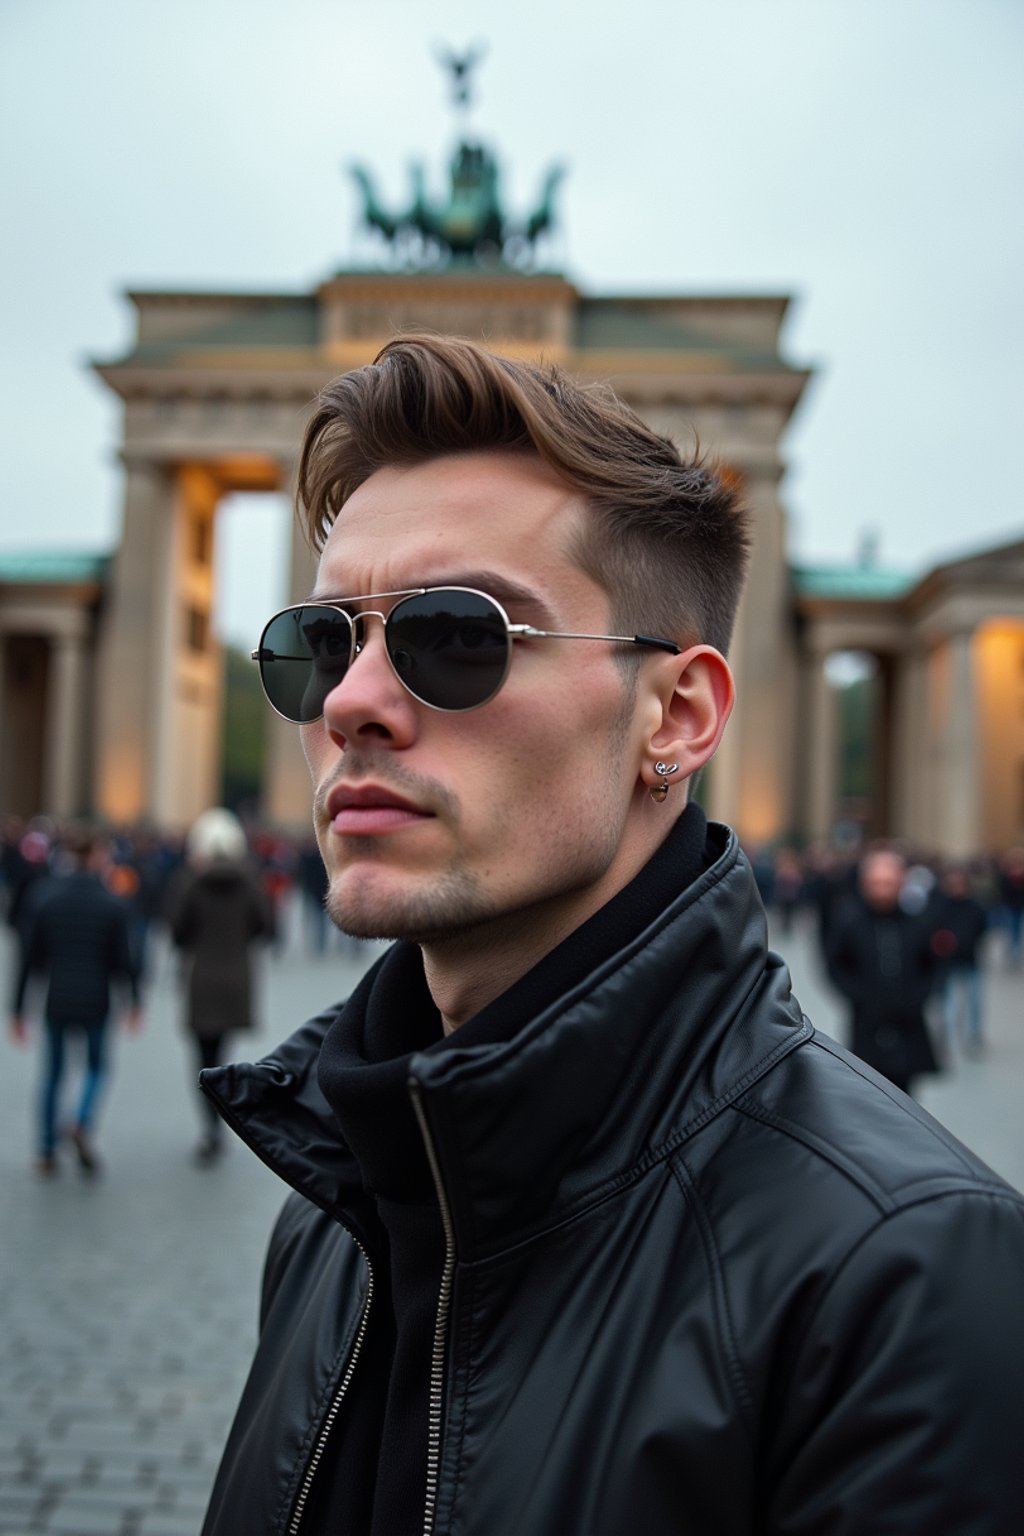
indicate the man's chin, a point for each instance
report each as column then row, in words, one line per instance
column 372, row 911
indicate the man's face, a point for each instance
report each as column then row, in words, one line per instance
column 881, row 880
column 525, row 811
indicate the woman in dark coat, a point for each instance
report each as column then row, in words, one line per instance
column 217, row 913
column 882, row 960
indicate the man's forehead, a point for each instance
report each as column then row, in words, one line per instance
column 497, row 523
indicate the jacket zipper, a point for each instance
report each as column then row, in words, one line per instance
column 328, row 1423
column 444, row 1302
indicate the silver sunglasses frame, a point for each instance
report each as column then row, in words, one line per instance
column 514, row 631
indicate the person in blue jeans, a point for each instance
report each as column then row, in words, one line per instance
column 960, row 922
column 78, row 936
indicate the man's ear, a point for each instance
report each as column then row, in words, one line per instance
column 697, row 699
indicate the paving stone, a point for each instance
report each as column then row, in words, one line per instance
column 78, row 1433
column 134, row 1461
column 167, row 1525
column 187, row 1480
column 74, row 1521
column 17, row 1502
column 117, row 1482
column 100, row 1501
column 12, row 1463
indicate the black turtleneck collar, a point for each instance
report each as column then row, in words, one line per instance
column 365, row 1060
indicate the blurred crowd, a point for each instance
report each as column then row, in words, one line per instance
column 141, row 866
column 816, row 881
column 905, row 939
column 83, row 903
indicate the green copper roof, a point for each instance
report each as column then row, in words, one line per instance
column 283, row 322
column 605, row 325
column 850, row 581
column 46, row 566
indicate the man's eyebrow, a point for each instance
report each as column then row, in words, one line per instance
column 504, row 588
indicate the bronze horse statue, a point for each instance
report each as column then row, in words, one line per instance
column 470, row 225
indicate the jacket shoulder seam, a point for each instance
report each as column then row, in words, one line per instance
column 976, row 1192
column 799, row 1133
column 947, row 1141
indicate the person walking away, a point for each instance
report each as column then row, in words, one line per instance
column 880, row 959
column 78, row 937
column 787, row 887
column 1011, row 897
column 218, row 912
column 959, row 922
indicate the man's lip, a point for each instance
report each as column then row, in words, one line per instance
column 368, row 797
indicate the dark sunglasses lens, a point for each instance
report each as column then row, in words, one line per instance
column 304, row 653
column 450, row 648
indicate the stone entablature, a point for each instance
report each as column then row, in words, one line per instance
column 518, row 313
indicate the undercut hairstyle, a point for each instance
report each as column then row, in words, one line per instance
column 666, row 537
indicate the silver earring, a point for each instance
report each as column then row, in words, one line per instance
column 658, row 792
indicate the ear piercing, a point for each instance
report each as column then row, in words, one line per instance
column 659, row 791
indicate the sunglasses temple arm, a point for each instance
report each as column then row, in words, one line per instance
column 660, row 645
column 558, row 634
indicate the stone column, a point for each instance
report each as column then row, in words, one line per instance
column 909, row 765
column 755, row 769
column 129, row 672
column 819, row 739
column 65, row 705
column 158, row 694
column 960, row 832
column 287, row 796
column 185, row 720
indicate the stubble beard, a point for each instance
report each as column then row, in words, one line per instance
column 454, row 904
column 457, row 912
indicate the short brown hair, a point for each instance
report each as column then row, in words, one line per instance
column 668, row 539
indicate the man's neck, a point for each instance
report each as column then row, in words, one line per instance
column 468, row 970
column 466, row 973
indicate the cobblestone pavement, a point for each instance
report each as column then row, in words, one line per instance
column 128, row 1304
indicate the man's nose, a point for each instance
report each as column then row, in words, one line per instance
column 369, row 700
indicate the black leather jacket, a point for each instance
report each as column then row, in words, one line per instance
column 736, row 1284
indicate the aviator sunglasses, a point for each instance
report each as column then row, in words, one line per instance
column 450, row 647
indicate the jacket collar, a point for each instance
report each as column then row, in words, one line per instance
column 585, row 1096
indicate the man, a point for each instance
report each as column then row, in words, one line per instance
column 1011, row 895
column 960, row 923
column 881, row 959
column 77, row 935
column 591, row 1233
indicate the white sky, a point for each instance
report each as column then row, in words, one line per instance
column 866, row 156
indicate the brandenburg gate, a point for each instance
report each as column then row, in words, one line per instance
column 217, row 388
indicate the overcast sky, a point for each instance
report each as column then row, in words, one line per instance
column 865, row 156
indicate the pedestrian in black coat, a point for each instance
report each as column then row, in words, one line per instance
column 217, row 912
column 77, row 936
column 959, row 923
column 881, row 959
